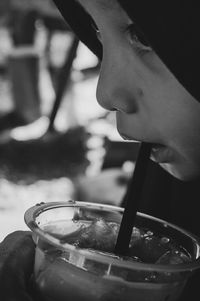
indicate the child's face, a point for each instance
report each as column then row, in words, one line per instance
column 151, row 105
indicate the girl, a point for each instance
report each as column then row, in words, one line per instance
column 149, row 75
column 149, row 52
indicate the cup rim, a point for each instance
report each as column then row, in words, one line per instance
column 33, row 212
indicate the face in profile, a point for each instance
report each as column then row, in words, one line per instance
column 150, row 104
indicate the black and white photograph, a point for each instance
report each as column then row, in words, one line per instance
column 99, row 150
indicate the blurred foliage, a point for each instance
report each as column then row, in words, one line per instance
column 45, row 6
column 42, row 7
column 52, row 156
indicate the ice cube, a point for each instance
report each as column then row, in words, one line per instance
column 115, row 227
column 99, row 236
column 173, row 257
column 137, row 234
column 148, row 248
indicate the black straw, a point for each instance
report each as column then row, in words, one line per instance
column 132, row 199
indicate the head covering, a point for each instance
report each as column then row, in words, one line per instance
column 81, row 24
column 171, row 28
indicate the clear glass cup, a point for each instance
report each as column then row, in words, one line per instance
column 65, row 272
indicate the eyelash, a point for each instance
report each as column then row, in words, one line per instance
column 137, row 39
column 98, row 34
column 96, row 30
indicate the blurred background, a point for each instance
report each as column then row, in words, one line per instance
column 56, row 142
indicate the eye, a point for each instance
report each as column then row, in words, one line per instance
column 137, row 38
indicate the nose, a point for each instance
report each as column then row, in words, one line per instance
column 105, row 87
column 115, row 89
column 104, row 92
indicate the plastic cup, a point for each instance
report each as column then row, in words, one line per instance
column 65, row 272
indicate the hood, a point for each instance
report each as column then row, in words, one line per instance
column 80, row 23
column 171, row 29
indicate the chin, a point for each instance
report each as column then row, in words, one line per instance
column 183, row 173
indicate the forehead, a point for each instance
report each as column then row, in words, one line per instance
column 101, row 4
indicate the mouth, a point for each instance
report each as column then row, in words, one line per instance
column 125, row 137
column 161, row 153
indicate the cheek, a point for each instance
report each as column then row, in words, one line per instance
column 186, row 131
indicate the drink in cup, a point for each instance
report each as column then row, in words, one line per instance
column 74, row 257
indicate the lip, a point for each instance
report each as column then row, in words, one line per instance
column 161, row 153
column 125, row 137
